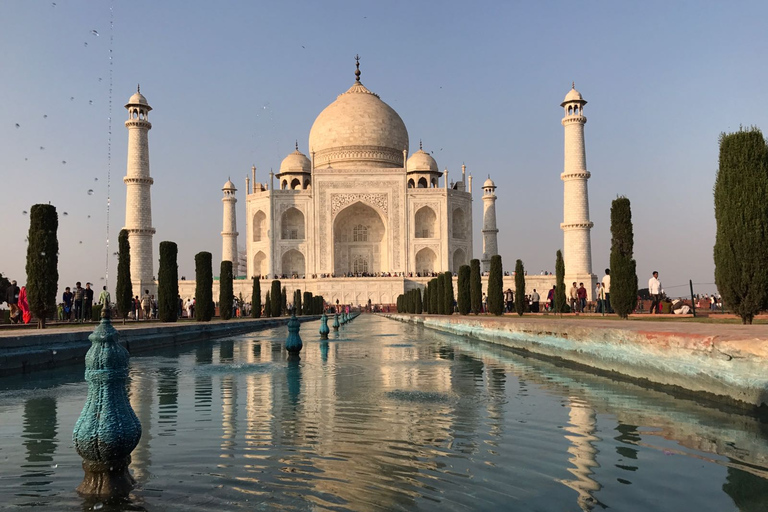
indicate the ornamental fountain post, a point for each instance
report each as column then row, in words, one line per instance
column 293, row 343
column 324, row 330
column 107, row 430
column 336, row 321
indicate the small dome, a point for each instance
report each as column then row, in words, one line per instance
column 573, row 95
column 295, row 162
column 229, row 186
column 421, row 161
column 138, row 99
column 489, row 183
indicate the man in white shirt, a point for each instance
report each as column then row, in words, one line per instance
column 607, row 291
column 655, row 290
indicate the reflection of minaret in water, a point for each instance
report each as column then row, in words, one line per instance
column 40, row 441
column 203, row 383
column 496, row 380
column 581, row 426
column 141, row 394
column 228, row 415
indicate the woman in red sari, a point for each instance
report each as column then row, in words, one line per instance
column 26, row 315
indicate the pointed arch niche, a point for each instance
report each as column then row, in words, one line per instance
column 359, row 241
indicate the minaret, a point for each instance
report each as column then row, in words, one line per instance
column 576, row 226
column 229, row 231
column 138, row 205
column 490, row 244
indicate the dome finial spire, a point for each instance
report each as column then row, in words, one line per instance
column 138, row 88
column 357, row 68
column 420, row 144
column 297, row 144
column 573, row 84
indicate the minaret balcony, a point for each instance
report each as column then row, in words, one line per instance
column 131, row 180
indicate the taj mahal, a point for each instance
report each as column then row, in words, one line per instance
column 358, row 218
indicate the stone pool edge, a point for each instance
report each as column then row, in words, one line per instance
column 725, row 370
column 34, row 351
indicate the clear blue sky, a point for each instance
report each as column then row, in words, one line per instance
column 235, row 83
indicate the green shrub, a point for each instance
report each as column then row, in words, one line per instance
column 475, row 287
column 42, row 261
column 204, row 307
column 496, row 287
column 124, row 289
column 168, row 283
column 520, row 303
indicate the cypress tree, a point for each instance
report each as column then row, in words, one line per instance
column 284, row 301
column 448, row 292
column 124, row 290
column 496, row 287
column 256, row 298
column 623, row 266
column 425, row 299
column 475, row 287
column 465, row 301
column 168, row 283
column 741, row 241
column 317, row 304
column 277, row 301
column 203, row 287
column 297, row 302
column 560, row 283
column 400, row 303
column 226, row 293
column 42, row 261
column 434, row 299
column 440, row 294
column 419, row 303
column 519, row 287
column 307, row 303
column 267, row 305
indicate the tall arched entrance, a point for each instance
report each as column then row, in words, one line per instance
column 359, row 241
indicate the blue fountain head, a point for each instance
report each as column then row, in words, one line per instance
column 293, row 343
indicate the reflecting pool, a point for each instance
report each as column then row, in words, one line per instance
column 384, row 416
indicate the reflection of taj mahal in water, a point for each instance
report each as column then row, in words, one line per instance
column 356, row 219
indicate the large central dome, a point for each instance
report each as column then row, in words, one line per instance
column 358, row 130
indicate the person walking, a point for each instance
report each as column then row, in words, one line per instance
column 79, row 294
column 656, row 291
column 12, row 298
column 87, row 303
column 582, row 294
column 607, row 291
column 509, row 299
column 551, row 298
column 573, row 295
column 146, row 305
column 599, row 298
column 535, row 298
column 104, row 298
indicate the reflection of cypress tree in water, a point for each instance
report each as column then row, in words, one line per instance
column 629, row 436
column 256, row 351
column 497, row 378
column 203, row 384
column 582, row 425
column 226, row 351
column 748, row 491
column 141, row 394
column 228, row 415
column 39, row 440
column 167, row 397
column 466, row 376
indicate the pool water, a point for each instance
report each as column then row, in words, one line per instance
column 384, row 416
